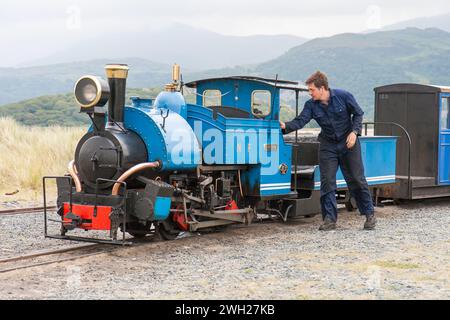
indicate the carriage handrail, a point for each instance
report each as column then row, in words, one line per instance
column 409, row 146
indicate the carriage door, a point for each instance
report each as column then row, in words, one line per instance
column 444, row 140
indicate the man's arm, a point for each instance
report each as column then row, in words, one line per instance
column 304, row 117
column 357, row 112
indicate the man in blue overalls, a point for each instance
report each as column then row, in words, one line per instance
column 340, row 117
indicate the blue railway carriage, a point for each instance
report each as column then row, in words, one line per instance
column 165, row 166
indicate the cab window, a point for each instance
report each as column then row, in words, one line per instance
column 445, row 113
column 261, row 103
column 212, row 98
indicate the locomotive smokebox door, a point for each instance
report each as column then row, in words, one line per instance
column 154, row 202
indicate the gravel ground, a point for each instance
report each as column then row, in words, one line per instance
column 406, row 257
column 24, row 233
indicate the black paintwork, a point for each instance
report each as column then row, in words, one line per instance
column 108, row 154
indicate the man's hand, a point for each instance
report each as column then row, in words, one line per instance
column 282, row 125
column 351, row 140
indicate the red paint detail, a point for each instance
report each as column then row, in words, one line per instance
column 100, row 222
column 180, row 220
column 231, row 205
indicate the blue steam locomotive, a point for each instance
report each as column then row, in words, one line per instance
column 166, row 166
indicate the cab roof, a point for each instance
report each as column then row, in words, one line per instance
column 413, row 87
column 276, row 83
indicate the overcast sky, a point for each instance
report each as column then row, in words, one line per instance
column 37, row 25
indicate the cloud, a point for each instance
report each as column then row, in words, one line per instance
column 190, row 9
column 30, row 27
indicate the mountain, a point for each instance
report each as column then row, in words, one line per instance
column 193, row 48
column 17, row 84
column 360, row 62
column 356, row 62
column 440, row 21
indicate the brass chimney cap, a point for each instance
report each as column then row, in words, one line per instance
column 171, row 87
column 117, row 71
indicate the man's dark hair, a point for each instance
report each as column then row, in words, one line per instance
column 319, row 79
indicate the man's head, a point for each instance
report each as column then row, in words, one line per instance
column 318, row 86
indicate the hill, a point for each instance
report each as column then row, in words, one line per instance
column 360, row 62
column 356, row 62
column 17, row 84
column 440, row 21
column 56, row 110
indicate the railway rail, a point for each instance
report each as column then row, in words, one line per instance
column 38, row 258
column 35, row 259
column 11, row 212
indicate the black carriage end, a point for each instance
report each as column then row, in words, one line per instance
column 422, row 161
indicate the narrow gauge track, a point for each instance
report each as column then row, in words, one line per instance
column 36, row 257
column 11, row 212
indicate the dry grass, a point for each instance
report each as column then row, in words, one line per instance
column 397, row 265
column 29, row 153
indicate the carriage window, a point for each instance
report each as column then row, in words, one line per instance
column 445, row 116
column 261, row 101
column 212, row 98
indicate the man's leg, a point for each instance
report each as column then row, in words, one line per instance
column 352, row 168
column 328, row 164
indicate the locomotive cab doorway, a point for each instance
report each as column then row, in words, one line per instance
column 444, row 139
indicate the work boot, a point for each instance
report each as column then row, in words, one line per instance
column 327, row 225
column 370, row 223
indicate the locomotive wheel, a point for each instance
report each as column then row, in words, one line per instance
column 399, row 202
column 351, row 205
column 139, row 231
column 167, row 230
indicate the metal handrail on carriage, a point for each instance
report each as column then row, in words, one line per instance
column 365, row 124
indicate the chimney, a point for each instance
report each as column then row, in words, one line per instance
column 117, row 78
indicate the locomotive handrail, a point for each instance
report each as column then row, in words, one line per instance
column 409, row 146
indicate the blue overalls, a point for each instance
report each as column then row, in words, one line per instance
column 336, row 122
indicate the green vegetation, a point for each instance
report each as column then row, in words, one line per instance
column 46, row 111
column 18, row 84
column 57, row 110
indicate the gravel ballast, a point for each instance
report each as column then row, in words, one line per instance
column 406, row 257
